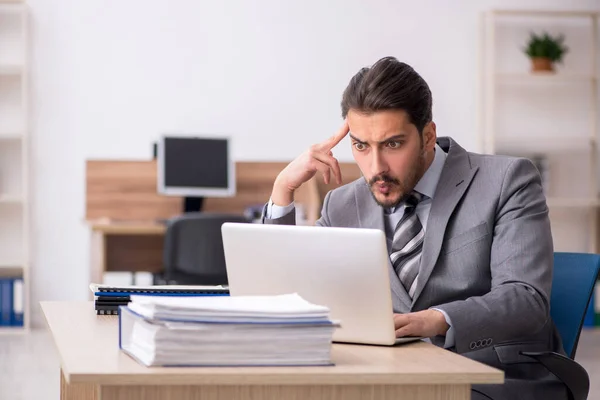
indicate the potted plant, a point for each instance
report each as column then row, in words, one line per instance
column 544, row 51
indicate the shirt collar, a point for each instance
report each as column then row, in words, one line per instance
column 428, row 183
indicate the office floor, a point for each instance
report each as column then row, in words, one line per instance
column 29, row 365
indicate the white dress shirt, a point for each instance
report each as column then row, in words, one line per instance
column 426, row 186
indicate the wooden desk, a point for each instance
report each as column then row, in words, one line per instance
column 125, row 190
column 93, row 367
column 125, row 246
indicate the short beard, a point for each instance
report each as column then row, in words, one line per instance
column 395, row 182
column 406, row 187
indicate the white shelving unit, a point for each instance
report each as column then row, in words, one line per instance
column 550, row 116
column 14, row 154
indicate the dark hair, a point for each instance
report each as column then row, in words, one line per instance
column 389, row 85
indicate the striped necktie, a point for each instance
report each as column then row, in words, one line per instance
column 407, row 245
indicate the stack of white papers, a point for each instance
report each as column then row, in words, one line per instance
column 226, row 331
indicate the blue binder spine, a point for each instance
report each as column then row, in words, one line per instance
column 6, row 302
column 1, row 301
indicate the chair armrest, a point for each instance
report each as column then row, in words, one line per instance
column 573, row 375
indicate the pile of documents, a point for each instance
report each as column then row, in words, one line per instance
column 226, row 331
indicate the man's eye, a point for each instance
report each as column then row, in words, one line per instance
column 359, row 146
column 394, row 145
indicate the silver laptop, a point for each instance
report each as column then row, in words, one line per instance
column 345, row 269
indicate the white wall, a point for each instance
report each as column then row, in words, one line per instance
column 270, row 73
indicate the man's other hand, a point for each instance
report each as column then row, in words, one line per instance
column 426, row 323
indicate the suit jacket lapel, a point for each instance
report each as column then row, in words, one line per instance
column 454, row 181
column 370, row 215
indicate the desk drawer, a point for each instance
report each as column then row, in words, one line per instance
column 134, row 253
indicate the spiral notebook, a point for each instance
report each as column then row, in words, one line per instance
column 162, row 290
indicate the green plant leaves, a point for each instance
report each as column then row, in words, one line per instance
column 546, row 46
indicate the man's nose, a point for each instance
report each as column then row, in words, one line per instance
column 378, row 164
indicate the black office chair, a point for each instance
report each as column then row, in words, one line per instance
column 193, row 249
column 573, row 281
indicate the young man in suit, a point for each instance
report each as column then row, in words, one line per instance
column 469, row 238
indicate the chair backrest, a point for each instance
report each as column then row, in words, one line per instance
column 573, row 283
column 194, row 246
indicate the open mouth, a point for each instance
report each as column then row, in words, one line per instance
column 383, row 187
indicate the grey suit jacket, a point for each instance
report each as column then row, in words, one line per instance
column 487, row 262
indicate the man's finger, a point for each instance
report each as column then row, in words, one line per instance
column 400, row 320
column 405, row 331
column 337, row 171
column 327, row 176
column 335, row 139
column 323, row 168
column 332, row 163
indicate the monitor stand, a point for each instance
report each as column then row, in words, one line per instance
column 192, row 204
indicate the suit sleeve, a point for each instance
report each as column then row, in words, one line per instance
column 324, row 219
column 289, row 217
column 521, row 263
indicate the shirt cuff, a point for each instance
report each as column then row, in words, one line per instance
column 450, row 342
column 274, row 211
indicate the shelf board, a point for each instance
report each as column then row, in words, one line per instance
column 11, row 270
column 11, row 198
column 542, row 145
column 543, row 77
column 546, row 13
column 9, row 135
column 11, row 264
column 12, row 330
column 575, row 202
column 10, row 70
column 12, row 6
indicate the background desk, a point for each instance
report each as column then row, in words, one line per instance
column 125, row 191
column 93, row 367
column 125, row 246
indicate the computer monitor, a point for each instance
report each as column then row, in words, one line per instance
column 194, row 168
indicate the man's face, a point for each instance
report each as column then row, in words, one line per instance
column 390, row 153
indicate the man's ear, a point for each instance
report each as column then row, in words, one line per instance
column 429, row 136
